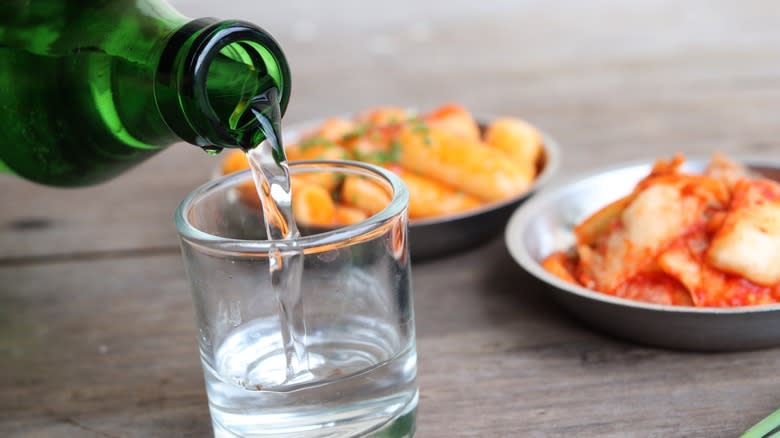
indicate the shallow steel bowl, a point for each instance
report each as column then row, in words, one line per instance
column 544, row 224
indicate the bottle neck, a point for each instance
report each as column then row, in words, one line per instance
column 210, row 74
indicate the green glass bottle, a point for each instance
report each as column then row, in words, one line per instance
column 90, row 88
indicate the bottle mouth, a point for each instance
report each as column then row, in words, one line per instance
column 229, row 67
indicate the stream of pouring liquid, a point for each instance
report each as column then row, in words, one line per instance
column 272, row 179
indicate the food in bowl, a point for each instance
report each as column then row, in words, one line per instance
column 449, row 162
column 704, row 240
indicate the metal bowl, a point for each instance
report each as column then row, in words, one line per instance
column 440, row 236
column 544, row 225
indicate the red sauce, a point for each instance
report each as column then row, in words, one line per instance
column 715, row 288
column 654, row 287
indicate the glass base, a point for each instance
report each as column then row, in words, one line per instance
column 402, row 426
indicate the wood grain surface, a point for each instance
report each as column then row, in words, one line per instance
column 97, row 336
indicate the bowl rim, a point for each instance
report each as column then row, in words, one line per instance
column 552, row 165
column 524, row 214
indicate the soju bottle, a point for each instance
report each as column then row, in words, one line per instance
column 90, row 88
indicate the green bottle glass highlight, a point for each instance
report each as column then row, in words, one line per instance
column 90, row 88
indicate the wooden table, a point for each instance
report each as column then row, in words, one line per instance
column 97, row 336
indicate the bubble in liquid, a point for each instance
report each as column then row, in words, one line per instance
column 234, row 313
column 205, row 336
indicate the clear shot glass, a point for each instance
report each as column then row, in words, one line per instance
column 335, row 357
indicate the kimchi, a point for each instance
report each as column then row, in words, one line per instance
column 705, row 240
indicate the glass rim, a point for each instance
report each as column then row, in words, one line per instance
column 398, row 204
